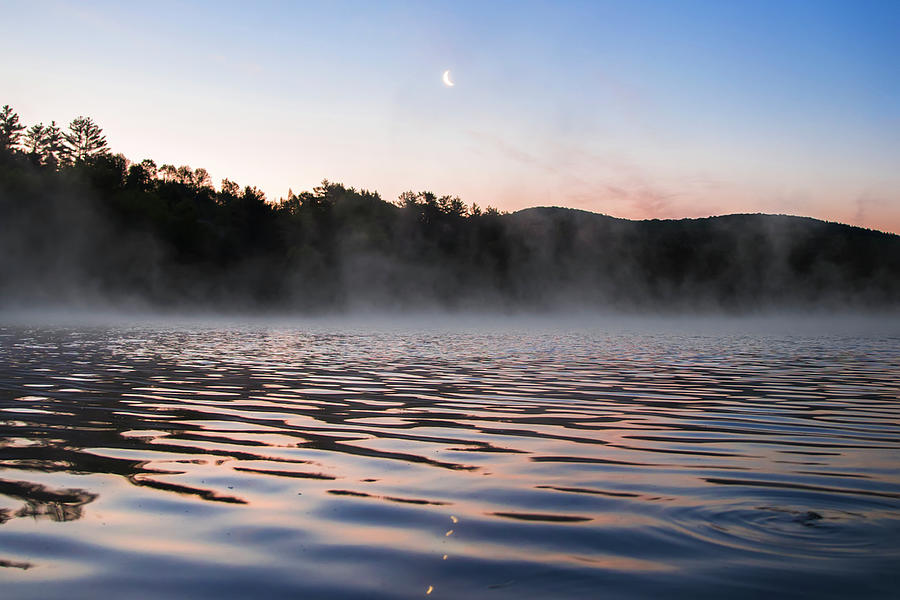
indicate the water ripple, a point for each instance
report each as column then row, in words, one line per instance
column 488, row 463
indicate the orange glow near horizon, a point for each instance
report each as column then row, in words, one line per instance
column 655, row 112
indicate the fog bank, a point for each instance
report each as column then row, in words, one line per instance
column 104, row 234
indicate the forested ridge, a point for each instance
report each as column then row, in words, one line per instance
column 80, row 225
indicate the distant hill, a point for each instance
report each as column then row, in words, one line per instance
column 102, row 231
column 740, row 261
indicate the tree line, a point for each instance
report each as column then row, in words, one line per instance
column 80, row 224
column 204, row 244
column 48, row 144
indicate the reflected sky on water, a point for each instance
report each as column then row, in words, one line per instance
column 498, row 462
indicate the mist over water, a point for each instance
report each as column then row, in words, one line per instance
column 480, row 457
column 108, row 234
column 688, row 390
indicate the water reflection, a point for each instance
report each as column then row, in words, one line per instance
column 44, row 503
column 492, row 464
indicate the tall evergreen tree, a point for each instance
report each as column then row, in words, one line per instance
column 35, row 138
column 54, row 152
column 45, row 144
column 10, row 128
column 85, row 139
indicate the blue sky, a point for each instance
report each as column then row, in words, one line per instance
column 636, row 109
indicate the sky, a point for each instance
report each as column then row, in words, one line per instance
column 633, row 109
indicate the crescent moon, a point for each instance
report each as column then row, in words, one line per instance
column 446, row 78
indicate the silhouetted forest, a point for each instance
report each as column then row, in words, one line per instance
column 80, row 225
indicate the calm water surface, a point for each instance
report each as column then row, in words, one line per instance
column 214, row 461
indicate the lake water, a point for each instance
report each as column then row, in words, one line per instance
column 485, row 460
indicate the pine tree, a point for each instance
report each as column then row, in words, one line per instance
column 54, row 152
column 45, row 144
column 35, row 139
column 10, row 128
column 85, row 139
